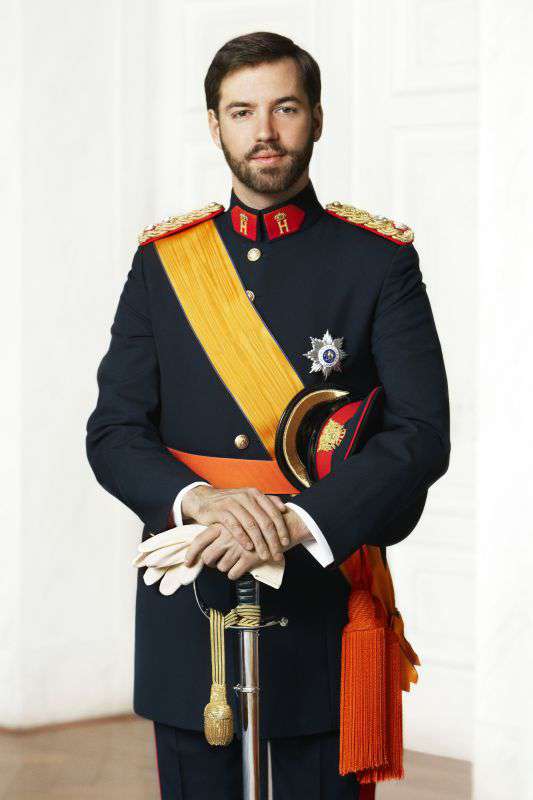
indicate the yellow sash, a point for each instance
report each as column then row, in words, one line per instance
column 235, row 338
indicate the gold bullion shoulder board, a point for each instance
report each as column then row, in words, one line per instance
column 394, row 231
column 181, row 221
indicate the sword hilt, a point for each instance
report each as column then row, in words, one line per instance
column 247, row 589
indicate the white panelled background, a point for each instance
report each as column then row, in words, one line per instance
column 415, row 158
column 106, row 132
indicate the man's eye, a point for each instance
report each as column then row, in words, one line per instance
column 239, row 114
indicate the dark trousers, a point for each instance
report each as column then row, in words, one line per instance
column 189, row 768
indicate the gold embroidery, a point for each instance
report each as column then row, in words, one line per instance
column 243, row 224
column 283, row 223
column 386, row 227
column 331, row 436
column 175, row 223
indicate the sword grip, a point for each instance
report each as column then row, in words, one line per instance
column 247, row 589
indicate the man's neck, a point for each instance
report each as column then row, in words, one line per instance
column 259, row 200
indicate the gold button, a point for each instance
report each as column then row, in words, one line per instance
column 242, row 441
column 250, row 294
column 253, row 254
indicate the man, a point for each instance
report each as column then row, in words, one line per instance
column 163, row 408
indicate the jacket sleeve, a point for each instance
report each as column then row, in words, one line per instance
column 123, row 444
column 357, row 503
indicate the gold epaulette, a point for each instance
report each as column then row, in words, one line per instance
column 394, row 231
column 173, row 224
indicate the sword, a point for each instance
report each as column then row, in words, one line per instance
column 247, row 592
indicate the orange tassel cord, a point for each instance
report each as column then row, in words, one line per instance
column 377, row 664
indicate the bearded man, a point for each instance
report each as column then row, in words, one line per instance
column 181, row 432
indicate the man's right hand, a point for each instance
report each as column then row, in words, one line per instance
column 254, row 519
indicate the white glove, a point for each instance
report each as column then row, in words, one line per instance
column 164, row 557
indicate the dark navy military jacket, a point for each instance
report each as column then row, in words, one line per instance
column 157, row 388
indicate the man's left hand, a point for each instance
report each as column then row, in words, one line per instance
column 216, row 546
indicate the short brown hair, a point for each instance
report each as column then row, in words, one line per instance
column 260, row 47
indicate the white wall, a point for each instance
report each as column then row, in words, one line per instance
column 414, row 157
column 503, row 755
column 72, row 208
column 10, row 335
column 107, row 133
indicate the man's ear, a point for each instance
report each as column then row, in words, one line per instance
column 214, row 127
column 318, row 121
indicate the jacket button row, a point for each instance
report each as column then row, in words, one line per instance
column 241, row 441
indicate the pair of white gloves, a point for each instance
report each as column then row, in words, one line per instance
column 164, row 556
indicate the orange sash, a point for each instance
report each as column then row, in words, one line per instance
column 377, row 661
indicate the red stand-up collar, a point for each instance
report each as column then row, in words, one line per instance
column 284, row 220
column 275, row 222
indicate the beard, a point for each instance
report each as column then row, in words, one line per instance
column 275, row 178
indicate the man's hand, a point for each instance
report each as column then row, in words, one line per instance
column 216, row 546
column 254, row 520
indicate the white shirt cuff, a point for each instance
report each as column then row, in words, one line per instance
column 176, row 508
column 319, row 549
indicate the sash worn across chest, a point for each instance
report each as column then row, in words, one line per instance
column 236, row 339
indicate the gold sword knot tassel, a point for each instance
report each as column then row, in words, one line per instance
column 218, row 714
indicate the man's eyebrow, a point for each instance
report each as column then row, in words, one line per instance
column 244, row 104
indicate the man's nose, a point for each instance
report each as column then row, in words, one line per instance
column 266, row 127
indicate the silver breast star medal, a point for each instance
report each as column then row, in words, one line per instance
column 326, row 354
